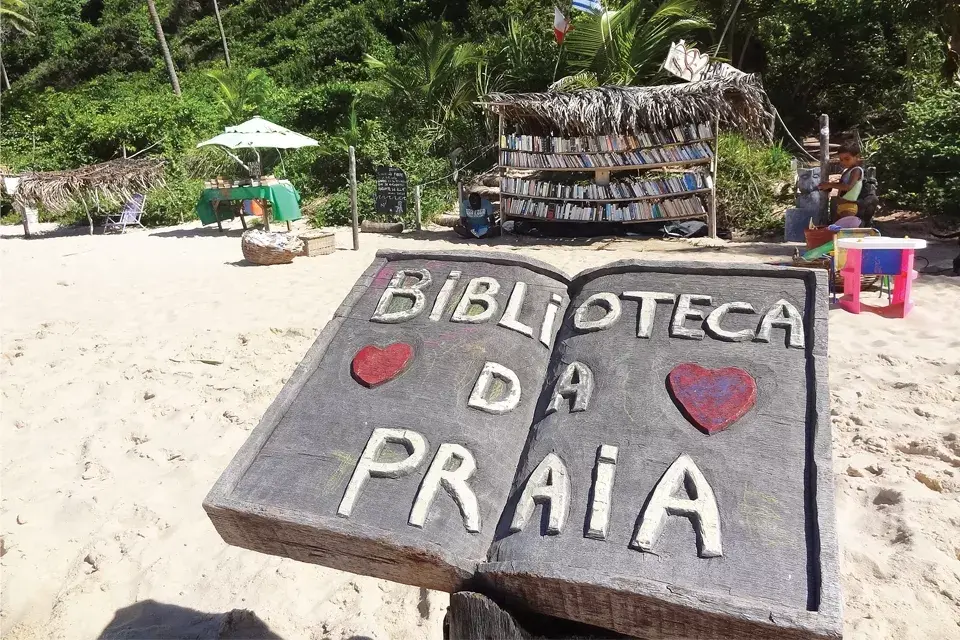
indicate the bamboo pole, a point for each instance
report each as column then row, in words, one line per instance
column 353, row 199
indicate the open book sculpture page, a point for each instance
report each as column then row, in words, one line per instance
column 644, row 447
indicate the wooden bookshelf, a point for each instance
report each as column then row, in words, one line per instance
column 601, row 176
column 615, row 167
column 659, row 196
column 517, row 216
column 630, row 150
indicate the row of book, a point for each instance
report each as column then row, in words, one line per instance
column 663, row 155
column 634, row 211
column 596, row 144
column 667, row 185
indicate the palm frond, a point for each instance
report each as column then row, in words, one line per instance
column 739, row 101
column 112, row 182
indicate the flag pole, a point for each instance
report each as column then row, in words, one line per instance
column 559, row 55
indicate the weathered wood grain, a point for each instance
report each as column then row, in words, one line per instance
column 602, row 439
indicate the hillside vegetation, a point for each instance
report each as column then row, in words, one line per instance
column 398, row 79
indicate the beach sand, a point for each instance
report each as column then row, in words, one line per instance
column 134, row 367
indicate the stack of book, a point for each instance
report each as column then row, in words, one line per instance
column 663, row 155
column 691, row 206
column 625, row 189
column 598, row 144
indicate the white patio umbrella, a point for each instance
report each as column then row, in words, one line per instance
column 257, row 133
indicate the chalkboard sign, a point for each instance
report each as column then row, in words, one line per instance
column 391, row 191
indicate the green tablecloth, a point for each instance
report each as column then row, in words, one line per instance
column 284, row 198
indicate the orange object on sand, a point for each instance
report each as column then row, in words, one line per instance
column 817, row 237
column 257, row 208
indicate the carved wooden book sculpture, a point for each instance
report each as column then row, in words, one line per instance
column 644, row 447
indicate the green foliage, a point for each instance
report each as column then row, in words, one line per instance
column 628, row 45
column 918, row 167
column 240, row 92
column 859, row 61
column 434, row 76
column 14, row 13
column 397, row 80
column 748, row 178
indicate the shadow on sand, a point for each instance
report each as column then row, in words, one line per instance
column 155, row 620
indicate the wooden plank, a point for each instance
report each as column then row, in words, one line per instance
column 679, row 163
column 539, row 454
column 662, row 196
column 580, row 153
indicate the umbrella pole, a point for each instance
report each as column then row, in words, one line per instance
column 238, row 160
column 282, row 165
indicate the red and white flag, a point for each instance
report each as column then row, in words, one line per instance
column 560, row 25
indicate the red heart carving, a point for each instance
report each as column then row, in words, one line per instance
column 712, row 399
column 372, row 366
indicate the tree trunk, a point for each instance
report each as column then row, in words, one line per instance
column 3, row 72
column 743, row 50
column 223, row 36
column 951, row 64
column 155, row 19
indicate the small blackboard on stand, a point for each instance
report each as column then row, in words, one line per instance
column 391, row 191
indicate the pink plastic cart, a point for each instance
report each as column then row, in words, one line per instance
column 891, row 257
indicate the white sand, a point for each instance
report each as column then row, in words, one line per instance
column 114, row 428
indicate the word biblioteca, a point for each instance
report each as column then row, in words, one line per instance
column 624, row 189
column 481, row 292
column 627, row 212
column 594, row 144
column 637, row 157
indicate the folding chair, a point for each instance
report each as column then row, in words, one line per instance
column 129, row 215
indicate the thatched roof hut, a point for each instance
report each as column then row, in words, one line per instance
column 111, row 182
column 739, row 101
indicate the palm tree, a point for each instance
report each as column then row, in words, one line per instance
column 168, row 61
column 13, row 13
column 627, row 46
column 240, row 92
column 223, row 36
column 435, row 78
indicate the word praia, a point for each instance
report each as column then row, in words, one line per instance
column 688, row 307
column 548, row 485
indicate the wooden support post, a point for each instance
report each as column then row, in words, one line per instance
column 416, row 204
column 501, row 170
column 712, row 209
column 823, row 218
column 86, row 209
column 773, row 123
column 353, row 199
column 474, row 615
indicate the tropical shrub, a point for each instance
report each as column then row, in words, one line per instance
column 748, row 175
column 918, row 167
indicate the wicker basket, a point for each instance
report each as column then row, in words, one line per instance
column 260, row 247
column 318, row 243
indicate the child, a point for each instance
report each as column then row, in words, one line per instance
column 851, row 181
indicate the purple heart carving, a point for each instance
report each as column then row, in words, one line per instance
column 712, row 399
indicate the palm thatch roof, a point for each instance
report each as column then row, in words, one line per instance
column 111, row 182
column 740, row 102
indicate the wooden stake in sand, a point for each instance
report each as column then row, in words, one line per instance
column 353, row 200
